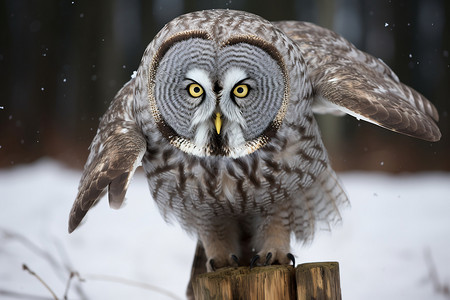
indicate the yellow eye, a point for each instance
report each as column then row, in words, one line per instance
column 195, row 90
column 241, row 90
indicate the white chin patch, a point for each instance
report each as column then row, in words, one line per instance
column 202, row 133
column 233, row 135
column 231, row 132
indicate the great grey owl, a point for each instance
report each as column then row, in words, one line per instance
column 221, row 117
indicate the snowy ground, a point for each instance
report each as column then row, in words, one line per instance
column 394, row 239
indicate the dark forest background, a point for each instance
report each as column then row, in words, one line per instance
column 61, row 62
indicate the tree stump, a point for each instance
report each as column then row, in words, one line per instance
column 319, row 281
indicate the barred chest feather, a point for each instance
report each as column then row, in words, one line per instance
column 195, row 189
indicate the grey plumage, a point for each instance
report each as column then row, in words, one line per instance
column 266, row 174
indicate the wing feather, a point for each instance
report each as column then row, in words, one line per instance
column 347, row 80
column 115, row 153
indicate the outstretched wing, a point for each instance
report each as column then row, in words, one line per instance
column 115, row 153
column 350, row 81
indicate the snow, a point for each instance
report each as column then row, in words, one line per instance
column 395, row 235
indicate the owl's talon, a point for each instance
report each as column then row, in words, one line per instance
column 212, row 264
column 268, row 258
column 253, row 261
column 235, row 259
column 292, row 258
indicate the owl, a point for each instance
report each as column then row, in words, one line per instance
column 221, row 117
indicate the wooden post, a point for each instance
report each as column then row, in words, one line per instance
column 259, row 283
column 318, row 281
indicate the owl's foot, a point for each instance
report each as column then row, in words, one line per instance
column 215, row 263
column 271, row 259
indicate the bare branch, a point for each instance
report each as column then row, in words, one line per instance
column 64, row 267
column 25, row 268
column 72, row 275
column 61, row 267
column 27, row 243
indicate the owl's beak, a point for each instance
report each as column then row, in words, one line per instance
column 218, row 123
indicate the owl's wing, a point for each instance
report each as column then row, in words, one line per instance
column 115, row 153
column 347, row 80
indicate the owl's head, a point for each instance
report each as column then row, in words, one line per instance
column 216, row 89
